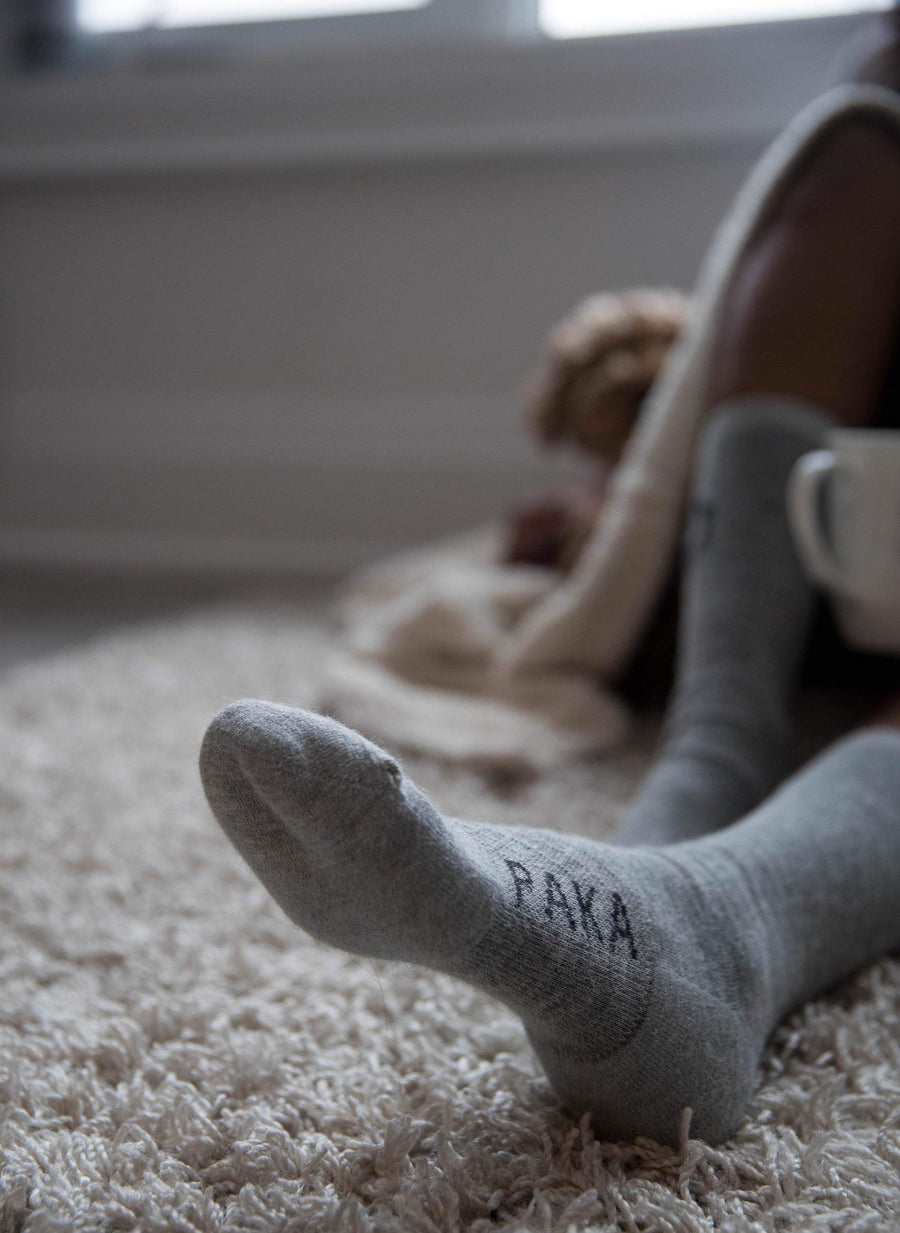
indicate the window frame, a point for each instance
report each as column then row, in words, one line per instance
column 436, row 23
column 730, row 87
column 439, row 27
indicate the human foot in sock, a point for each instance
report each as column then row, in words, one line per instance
column 746, row 612
column 647, row 980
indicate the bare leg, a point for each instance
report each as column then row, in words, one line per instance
column 815, row 307
column 812, row 317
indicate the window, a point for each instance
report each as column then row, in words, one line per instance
column 575, row 18
column 556, row 18
column 110, row 30
column 102, row 16
column 89, row 33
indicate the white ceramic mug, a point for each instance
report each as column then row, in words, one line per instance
column 844, row 511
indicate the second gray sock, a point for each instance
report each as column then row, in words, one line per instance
column 745, row 618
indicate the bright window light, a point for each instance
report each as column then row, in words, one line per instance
column 102, row 16
column 578, row 18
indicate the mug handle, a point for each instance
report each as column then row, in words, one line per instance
column 809, row 474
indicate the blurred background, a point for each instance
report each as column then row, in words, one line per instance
column 274, row 271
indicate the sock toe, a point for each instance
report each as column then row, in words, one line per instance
column 352, row 850
column 274, row 733
column 300, row 764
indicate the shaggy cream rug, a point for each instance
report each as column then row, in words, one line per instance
column 175, row 1055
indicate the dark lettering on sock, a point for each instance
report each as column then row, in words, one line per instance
column 621, row 926
column 556, row 899
column 586, row 908
column 522, row 879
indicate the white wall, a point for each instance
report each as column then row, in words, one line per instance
column 240, row 329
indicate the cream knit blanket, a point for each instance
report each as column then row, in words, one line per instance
column 503, row 668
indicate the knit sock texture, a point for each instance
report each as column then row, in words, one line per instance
column 647, row 979
column 746, row 614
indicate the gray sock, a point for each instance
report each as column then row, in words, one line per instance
column 647, row 979
column 745, row 617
